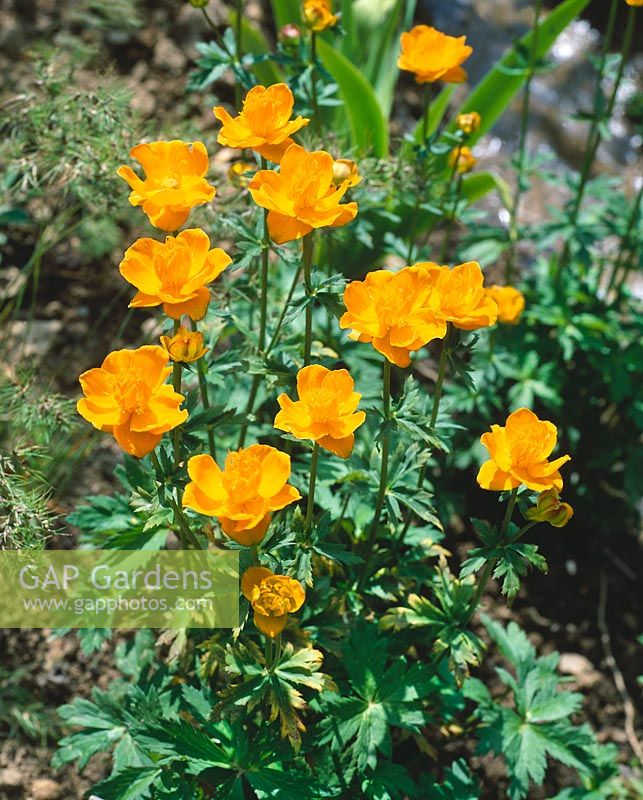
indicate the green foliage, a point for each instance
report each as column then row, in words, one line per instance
column 536, row 725
column 379, row 696
column 21, row 713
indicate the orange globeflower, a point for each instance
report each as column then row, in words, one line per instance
column 272, row 597
column 460, row 296
column 394, row 311
column 469, row 122
column 433, row 56
column 174, row 181
column 301, row 196
column 174, row 273
column 127, row 396
column 634, row 2
column 184, row 346
column 510, row 302
column 326, row 409
column 244, row 494
column 264, row 123
column 519, row 454
column 318, row 15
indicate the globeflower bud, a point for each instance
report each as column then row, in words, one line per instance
column 469, row 123
column 550, row 509
column 290, row 35
column 185, row 346
column 240, row 174
column 462, row 159
column 318, row 15
column 199, row 3
column 346, row 170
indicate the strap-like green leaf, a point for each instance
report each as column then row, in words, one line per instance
column 369, row 131
column 285, row 11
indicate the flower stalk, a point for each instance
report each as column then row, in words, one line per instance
column 491, row 565
column 381, row 494
column 307, row 255
column 205, row 399
column 310, row 503
column 437, row 396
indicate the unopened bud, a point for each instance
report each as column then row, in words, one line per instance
column 185, row 346
column 290, row 35
column 549, row 508
column 240, row 174
column 345, row 170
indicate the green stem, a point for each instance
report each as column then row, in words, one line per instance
column 437, row 395
column 185, row 534
column 265, row 252
column 446, row 245
column 594, row 136
column 311, row 488
column 313, row 63
column 307, row 245
column 160, row 476
column 626, row 246
column 239, row 48
column 491, row 565
column 522, row 146
column 284, row 311
column 177, row 371
column 381, row 494
column 205, row 399
column 426, row 110
column 254, row 388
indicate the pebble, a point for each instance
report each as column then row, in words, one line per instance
column 45, row 789
column 10, row 778
column 581, row 668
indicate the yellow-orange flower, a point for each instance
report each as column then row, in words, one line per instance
column 395, row 311
column 318, row 15
column 550, row 508
column 469, row 122
column 460, row 297
column 433, row 56
column 264, row 123
column 510, row 302
column 462, row 159
column 185, row 346
column 242, row 496
column 301, row 196
column 346, row 170
column 326, row 411
column 519, row 454
column 634, row 2
column 174, row 273
column 127, row 397
column 272, row 597
column 174, row 181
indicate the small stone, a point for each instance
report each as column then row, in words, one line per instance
column 10, row 778
column 581, row 668
column 45, row 789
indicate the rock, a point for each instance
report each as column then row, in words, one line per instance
column 45, row 789
column 168, row 56
column 10, row 778
column 581, row 668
